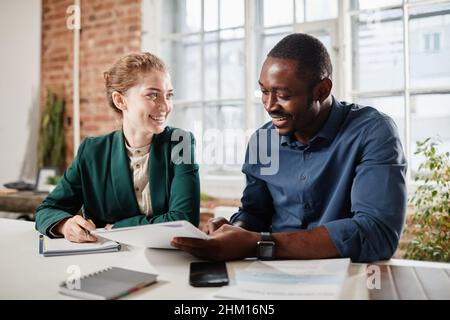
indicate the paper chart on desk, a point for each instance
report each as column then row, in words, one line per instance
column 289, row 279
column 157, row 235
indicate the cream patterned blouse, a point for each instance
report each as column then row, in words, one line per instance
column 139, row 172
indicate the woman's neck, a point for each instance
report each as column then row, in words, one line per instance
column 136, row 138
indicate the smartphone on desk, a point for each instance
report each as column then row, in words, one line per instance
column 208, row 274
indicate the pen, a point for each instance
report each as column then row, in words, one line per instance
column 85, row 218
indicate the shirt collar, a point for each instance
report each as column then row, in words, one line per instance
column 140, row 151
column 333, row 123
column 328, row 130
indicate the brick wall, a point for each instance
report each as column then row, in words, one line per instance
column 109, row 30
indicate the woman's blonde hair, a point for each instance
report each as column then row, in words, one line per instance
column 125, row 73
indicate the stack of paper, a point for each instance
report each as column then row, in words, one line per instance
column 158, row 235
column 61, row 247
column 289, row 280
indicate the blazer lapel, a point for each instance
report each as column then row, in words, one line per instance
column 158, row 173
column 121, row 176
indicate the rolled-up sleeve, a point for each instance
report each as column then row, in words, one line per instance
column 378, row 198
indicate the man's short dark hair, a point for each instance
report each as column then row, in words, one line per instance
column 314, row 62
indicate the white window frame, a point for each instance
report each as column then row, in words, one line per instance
column 342, row 44
column 407, row 91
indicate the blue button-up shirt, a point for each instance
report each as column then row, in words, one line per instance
column 350, row 179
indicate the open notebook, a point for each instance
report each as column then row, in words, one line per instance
column 62, row 247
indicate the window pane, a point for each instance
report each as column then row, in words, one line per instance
column 232, row 62
column 231, row 13
column 265, row 41
column 299, row 11
column 321, row 9
column 171, row 22
column 393, row 107
column 184, row 59
column 212, row 65
column 378, row 51
column 227, row 120
column 187, row 118
column 193, row 15
column 371, row 4
column 430, row 117
column 181, row 16
column 211, row 15
column 277, row 12
column 429, row 45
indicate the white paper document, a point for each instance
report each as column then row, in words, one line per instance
column 288, row 280
column 158, row 235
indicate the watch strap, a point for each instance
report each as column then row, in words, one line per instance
column 266, row 236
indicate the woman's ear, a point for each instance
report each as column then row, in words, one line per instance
column 323, row 90
column 119, row 100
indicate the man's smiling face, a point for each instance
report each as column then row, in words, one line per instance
column 287, row 98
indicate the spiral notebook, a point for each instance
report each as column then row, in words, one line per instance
column 108, row 284
column 62, row 247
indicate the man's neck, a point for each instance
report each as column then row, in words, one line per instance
column 315, row 126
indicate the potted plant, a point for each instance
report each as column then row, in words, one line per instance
column 429, row 227
column 51, row 145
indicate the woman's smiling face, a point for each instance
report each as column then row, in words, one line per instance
column 149, row 102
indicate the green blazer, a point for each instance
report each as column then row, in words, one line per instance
column 99, row 179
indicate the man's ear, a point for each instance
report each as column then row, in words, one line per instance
column 323, row 90
column 119, row 100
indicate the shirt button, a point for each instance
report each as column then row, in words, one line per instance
column 138, row 166
column 303, row 177
column 137, row 189
column 138, row 151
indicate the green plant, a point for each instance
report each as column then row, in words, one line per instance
column 53, row 180
column 430, row 230
column 51, row 145
column 204, row 196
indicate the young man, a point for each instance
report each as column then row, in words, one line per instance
column 340, row 187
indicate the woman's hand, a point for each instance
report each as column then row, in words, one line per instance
column 76, row 229
column 213, row 224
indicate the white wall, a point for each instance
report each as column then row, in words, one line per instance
column 20, row 46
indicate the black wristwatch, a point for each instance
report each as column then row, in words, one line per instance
column 265, row 249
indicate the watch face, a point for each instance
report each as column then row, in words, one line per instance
column 266, row 250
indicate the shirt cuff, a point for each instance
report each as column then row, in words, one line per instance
column 52, row 233
column 252, row 222
column 345, row 235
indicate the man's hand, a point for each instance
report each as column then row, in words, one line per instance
column 213, row 224
column 226, row 243
column 76, row 229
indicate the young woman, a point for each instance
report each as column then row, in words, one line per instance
column 128, row 177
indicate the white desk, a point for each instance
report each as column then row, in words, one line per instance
column 24, row 274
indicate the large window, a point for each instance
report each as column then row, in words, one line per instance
column 215, row 49
column 204, row 44
column 389, row 54
column 401, row 65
